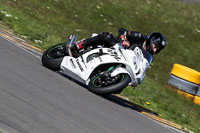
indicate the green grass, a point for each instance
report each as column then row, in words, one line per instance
column 51, row 21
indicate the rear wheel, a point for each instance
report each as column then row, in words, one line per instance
column 53, row 56
column 103, row 85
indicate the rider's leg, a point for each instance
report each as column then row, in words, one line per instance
column 103, row 38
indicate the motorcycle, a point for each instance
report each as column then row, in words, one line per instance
column 103, row 70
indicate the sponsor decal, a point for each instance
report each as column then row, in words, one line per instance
column 79, row 65
column 113, row 53
column 117, row 57
column 100, row 59
column 163, row 43
column 72, row 63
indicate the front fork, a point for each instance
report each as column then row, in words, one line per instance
column 107, row 74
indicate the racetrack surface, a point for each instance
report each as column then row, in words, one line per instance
column 34, row 99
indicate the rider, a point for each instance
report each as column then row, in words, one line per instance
column 150, row 44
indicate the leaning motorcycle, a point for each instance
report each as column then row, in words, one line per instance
column 103, row 70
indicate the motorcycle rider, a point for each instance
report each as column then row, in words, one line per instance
column 149, row 44
column 152, row 43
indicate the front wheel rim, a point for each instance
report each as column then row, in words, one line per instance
column 98, row 82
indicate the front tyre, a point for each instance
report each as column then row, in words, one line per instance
column 53, row 56
column 101, row 87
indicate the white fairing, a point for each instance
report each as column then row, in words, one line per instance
column 138, row 64
column 81, row 68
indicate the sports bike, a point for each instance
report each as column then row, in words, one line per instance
column 103, row 70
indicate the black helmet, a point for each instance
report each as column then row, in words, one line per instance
column 158, row 39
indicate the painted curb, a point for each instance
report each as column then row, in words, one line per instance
column 150, row 114
column 163, row 121
column 10, row 36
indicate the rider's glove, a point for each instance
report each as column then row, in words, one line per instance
column 124, row 42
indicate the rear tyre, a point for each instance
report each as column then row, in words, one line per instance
column 53, row 56
column 96, row 86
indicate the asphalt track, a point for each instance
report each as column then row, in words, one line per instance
column 34, row 99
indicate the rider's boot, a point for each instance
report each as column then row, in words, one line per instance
column 73, row 50
column 102, row 38
column 86, row 42
column 70, row 44
column 79, row 45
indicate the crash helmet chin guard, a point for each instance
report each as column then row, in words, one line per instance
column 158, row 39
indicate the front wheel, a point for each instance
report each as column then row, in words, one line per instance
column 53, row 56
column 101, row 86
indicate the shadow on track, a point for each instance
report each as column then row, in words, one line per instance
column 115, row 99
column 125, row 103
